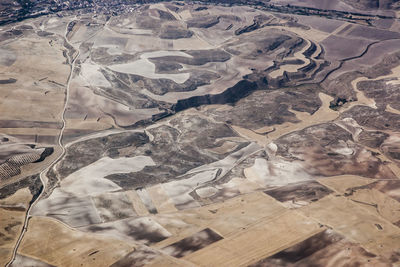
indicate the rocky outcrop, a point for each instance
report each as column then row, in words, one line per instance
column 231, row 95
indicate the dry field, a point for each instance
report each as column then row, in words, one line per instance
column 183, row 134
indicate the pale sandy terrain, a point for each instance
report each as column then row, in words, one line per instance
column 11, row 221
column 392, row 110
column 343, row 182
column 361, row 97
column 249, row 246
column 163, row 186
column 378, row 203
column 94, row 173
column 293, row 68
column 276, row 172
column 178, row 191
column 230, row 216
column 47, row 106
column 79, row 197
column 92, row 75
column 160, row 199
column 144, row 67
column 70, row 247
column 357, row 223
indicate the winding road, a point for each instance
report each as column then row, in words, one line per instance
column 43, row 177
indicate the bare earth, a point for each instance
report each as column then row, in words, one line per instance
column 200, row 134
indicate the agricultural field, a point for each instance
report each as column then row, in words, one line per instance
column 207, row 133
